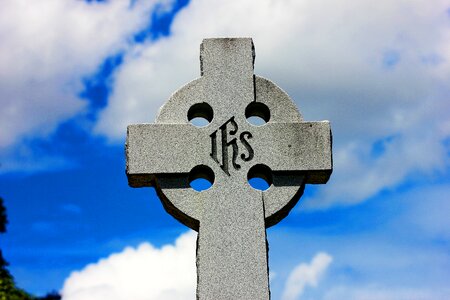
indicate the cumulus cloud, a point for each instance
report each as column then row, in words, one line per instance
column 375, row 292
column 378, row 71
column 47, row 47
column 142, row 273
column 305, row 275
column 167, row 273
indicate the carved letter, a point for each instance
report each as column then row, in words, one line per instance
column 214, row 146
column 247, row 146
column 226, row 144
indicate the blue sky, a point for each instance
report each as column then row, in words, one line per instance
column 74, row 74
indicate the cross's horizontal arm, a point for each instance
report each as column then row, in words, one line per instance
column 153, row 149
column 295, row 147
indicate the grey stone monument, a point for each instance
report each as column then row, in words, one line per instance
column 231, row 216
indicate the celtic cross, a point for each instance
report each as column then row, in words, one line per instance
column 231, row 216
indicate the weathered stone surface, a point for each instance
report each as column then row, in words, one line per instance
column 231, row 216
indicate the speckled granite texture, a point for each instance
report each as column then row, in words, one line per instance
column 231, row 217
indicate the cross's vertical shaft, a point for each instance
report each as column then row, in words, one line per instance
column 232, row 249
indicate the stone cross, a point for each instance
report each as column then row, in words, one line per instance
column 231, row 216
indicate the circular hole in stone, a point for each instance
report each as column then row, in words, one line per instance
column 199, row 122
column 201, row 178
column 200, row 114
column 257, row 113
column 260, row 177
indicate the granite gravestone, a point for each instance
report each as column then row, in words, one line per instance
column 231, row 216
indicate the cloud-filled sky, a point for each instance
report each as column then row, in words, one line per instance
column 74, row 74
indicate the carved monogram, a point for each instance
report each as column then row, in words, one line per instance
column 225, row 143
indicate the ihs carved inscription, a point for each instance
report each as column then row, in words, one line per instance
column 228, row 130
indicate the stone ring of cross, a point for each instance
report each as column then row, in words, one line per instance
column 230, row 216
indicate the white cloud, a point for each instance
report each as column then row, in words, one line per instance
column 331, row 58
column 142, row 273
column 394, row 250
column 25, row 158
column 359, row 175
column 306, row 275
column 327, row 55
column 166, row 273
column 374, row 292
column 147, row 77
column 46, row 48
column 399, row 258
